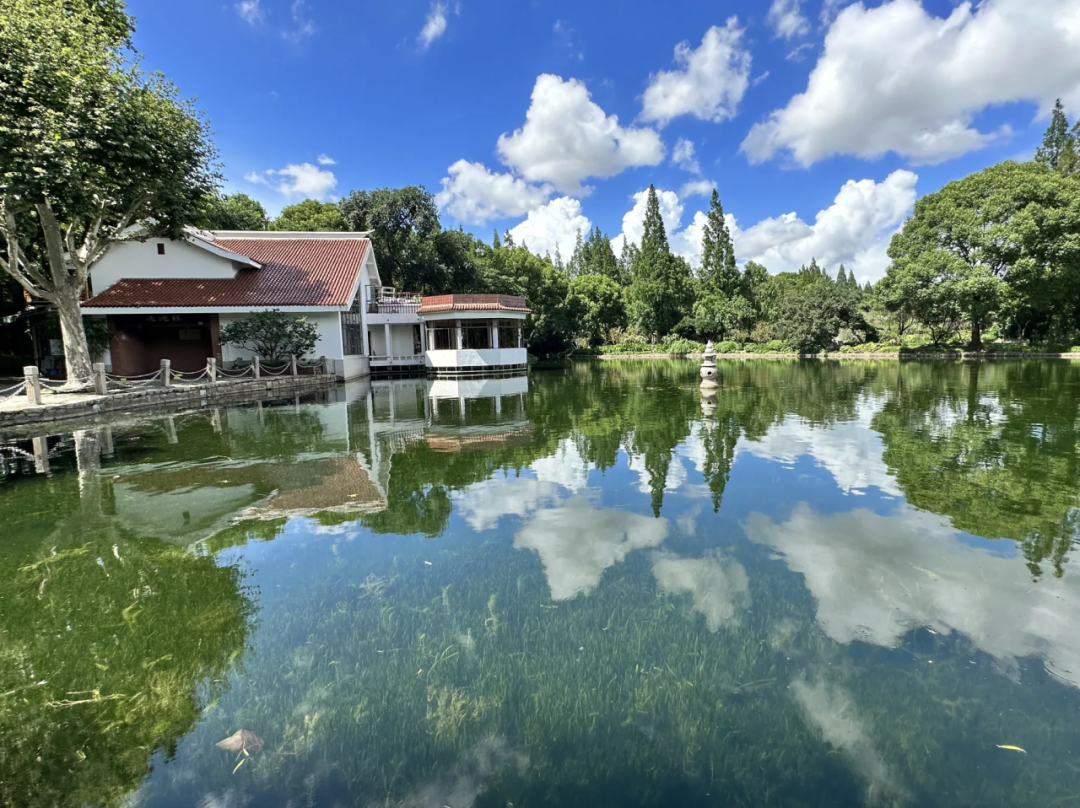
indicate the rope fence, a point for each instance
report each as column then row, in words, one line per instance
column 106, row 383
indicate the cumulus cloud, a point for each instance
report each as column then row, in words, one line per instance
column 483, row 504
column 551, row 226
column 709, row 83
column 633, row 227
column 683, row 156
column 567, row 467
column 473, row 194
column 303, row 179
column 875, row 578
column 676, row 473
column 697, row 188
column 436, row 23
column 568, row 138
column 325, row 160
column 577, row 542
column 896, row 78
column 786, row 19
column 250, row 11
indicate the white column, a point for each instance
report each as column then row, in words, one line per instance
column 386, row 331
column 393, row 406
column 423, row 337
column 494, row 333
column 498, row 405
column 460, row 335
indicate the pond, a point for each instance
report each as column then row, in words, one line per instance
column 829, row 584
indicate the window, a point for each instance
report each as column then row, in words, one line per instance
column 160, row 249
column 441, row 337
column 509, row 334
column 476, row 336
column 352, row 329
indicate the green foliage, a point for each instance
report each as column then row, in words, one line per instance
column 1006, row 238
column 660, row 292
column 272, row 335
column 232, row 212
column 596, row 304
column 310, row 216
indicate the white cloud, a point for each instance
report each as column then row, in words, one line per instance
column 568, row 138
column 250, row 11
column 895, row 78
column 435, row 25
column 676, row 473
column 473, row 194
column 854, row 230
column 683, row 156
column 786, row 19
column 566, row 467
column 302, row 24
column 325, row 160
column 302, row 179
column 697, row 188
column 483, row 504
column 577, row 542
column 555, row 224
column 875, row 578
column 710, row 83
column 671, row 210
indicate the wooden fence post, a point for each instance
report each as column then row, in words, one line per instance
column 166, row 373
column 292, row 362
column 256, row 364
column 33, row 385
column 211, row 369
column 101, row 384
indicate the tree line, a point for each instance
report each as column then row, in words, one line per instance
column 993, row 256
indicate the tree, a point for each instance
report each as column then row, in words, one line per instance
column 310, row 216
column 1011, row 231
column 92, row 152
column 810, row 317
column 402, row 223
column 232, row 212
column 1057, row 140
column 596, row 303
column 718, row 270
column 272, row 335
column 660, row 292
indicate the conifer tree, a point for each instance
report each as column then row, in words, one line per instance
column 495, row 239
column 841, row 276
column 660, row 292
column 718, row 270
column 1058, row 140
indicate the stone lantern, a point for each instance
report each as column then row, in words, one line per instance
column 708, row 368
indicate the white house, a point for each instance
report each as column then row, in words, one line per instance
column 169, row 299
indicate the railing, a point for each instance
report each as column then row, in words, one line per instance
column 105, row 383
column 393, row 306
column 399, row 359
column 473, row 302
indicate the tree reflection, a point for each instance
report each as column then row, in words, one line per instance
column 992, row 447
column 107, row 641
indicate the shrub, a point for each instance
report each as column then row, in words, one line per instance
column 727, row 346
column 272, row 335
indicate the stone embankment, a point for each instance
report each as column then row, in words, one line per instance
column 186, row 396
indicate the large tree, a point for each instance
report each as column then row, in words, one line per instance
column 660, row 292
column 403, row 223
column 232, row 212
column 721, row 306
column 92, row 152
column 1010, row 233
column 310, row 216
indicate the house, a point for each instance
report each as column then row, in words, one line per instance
column 169, row 299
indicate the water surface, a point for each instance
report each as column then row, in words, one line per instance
column 830, row 584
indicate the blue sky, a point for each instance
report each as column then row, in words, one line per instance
column 546, row 116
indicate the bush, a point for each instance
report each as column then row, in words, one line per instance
column 772, row 346
column 272, row 335
column 727, row 346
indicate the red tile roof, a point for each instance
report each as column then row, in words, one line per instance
column 440, row 303
column 295, row 272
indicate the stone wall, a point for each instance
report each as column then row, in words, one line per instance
column 177, row 397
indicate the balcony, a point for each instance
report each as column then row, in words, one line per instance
column 394, row 303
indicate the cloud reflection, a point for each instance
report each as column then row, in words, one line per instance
column 877, row 577
column 578, row 541
column 718, row 587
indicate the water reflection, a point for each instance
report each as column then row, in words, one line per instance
column 819, row 586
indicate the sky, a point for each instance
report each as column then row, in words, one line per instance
column 819, row 121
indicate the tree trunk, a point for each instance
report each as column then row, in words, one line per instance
column 76, row 350
column 976, row 334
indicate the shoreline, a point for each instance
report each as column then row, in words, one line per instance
column 964, row 355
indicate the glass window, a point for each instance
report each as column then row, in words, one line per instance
column 352, row 329
column 476, row 335
column 441, row 338
column 509, row 334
